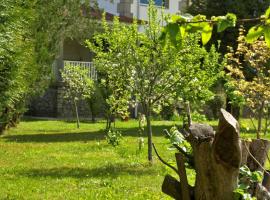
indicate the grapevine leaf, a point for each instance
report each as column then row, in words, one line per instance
column 183, row 31
column 267, row 13
column 193, row 28
column 225, row 22
column 173, row 30
column 177, row 19
column 207, row 34
column 199, row 18
column 254, row 33
column 267, row 35
column 256, row 176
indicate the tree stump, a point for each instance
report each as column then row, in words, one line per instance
column 216, row 156
column 217, row 159
column 259, row 149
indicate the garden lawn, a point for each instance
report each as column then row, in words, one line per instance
column 43, row 159
column 49, row 159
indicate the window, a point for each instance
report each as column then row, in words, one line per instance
column 164, row 3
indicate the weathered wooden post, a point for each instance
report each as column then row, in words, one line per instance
column 217, row 158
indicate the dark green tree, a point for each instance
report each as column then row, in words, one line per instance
column 30, row 36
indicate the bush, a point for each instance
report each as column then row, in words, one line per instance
column 114, row 137
column 198, row 117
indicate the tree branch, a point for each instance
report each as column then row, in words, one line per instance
column 188, row 156
column 214, row 21
column 164, row 162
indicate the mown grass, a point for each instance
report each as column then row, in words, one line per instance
column 55, row 160
column 46, row 159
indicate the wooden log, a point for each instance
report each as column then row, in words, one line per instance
column 180, row 160
column 259, row 148
column 262, row 193
column 217, row 159
column 266, row 180
column 244, row 151
column 172, row 187
column 227, row 149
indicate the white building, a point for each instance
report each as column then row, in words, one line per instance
column 138, row 8
column 52, row 104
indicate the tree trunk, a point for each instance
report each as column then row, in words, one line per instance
column 260, row 117
column 259, row 149
column 93, row 114
column 216, row 156
column 147, row 112
column 266, row 180
column 77, row 114
column 149, row 135
column 217, row 159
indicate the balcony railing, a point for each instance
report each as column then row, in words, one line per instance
column 89, row 66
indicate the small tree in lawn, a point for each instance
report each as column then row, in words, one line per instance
column 150, row 67
column 249, row 68
column 78, row 85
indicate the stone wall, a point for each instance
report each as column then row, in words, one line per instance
column 53, row 104
column 65, row 108
column 44, row 106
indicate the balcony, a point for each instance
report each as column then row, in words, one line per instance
column 89, row 66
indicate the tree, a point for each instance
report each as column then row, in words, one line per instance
column 18, row 69
column 30, row 35
column 153, row 69
column 219, row 156
column 96, row 102
column 77, row 85
column 249, row 70
column 242, row 8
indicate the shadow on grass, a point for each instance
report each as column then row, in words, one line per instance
column 77, row 137
column 44, row 119
column 112, row 171
column 56, row 137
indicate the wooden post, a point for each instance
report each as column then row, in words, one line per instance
column 172, row 187
column 217, row 159
column 183, row 176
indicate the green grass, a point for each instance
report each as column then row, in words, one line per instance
column 55, row 160
column 43, row 159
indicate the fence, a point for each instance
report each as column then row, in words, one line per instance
column 89, row 66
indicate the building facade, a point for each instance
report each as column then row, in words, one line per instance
column 52, row 103
column 138, row 8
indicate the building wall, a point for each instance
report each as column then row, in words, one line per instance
column 135, row 9
column 52, row 103
column 74, row 51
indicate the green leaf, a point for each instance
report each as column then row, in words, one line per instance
column 199, row 18
column 183, row 31
column 267, row 13
column 254, row 33
column 256, row 176
column 243, row 186
column 267, row 35
column 173, row 30
column 177, row 19
column 207, row 34
column 225, row 22
column 239, row 191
